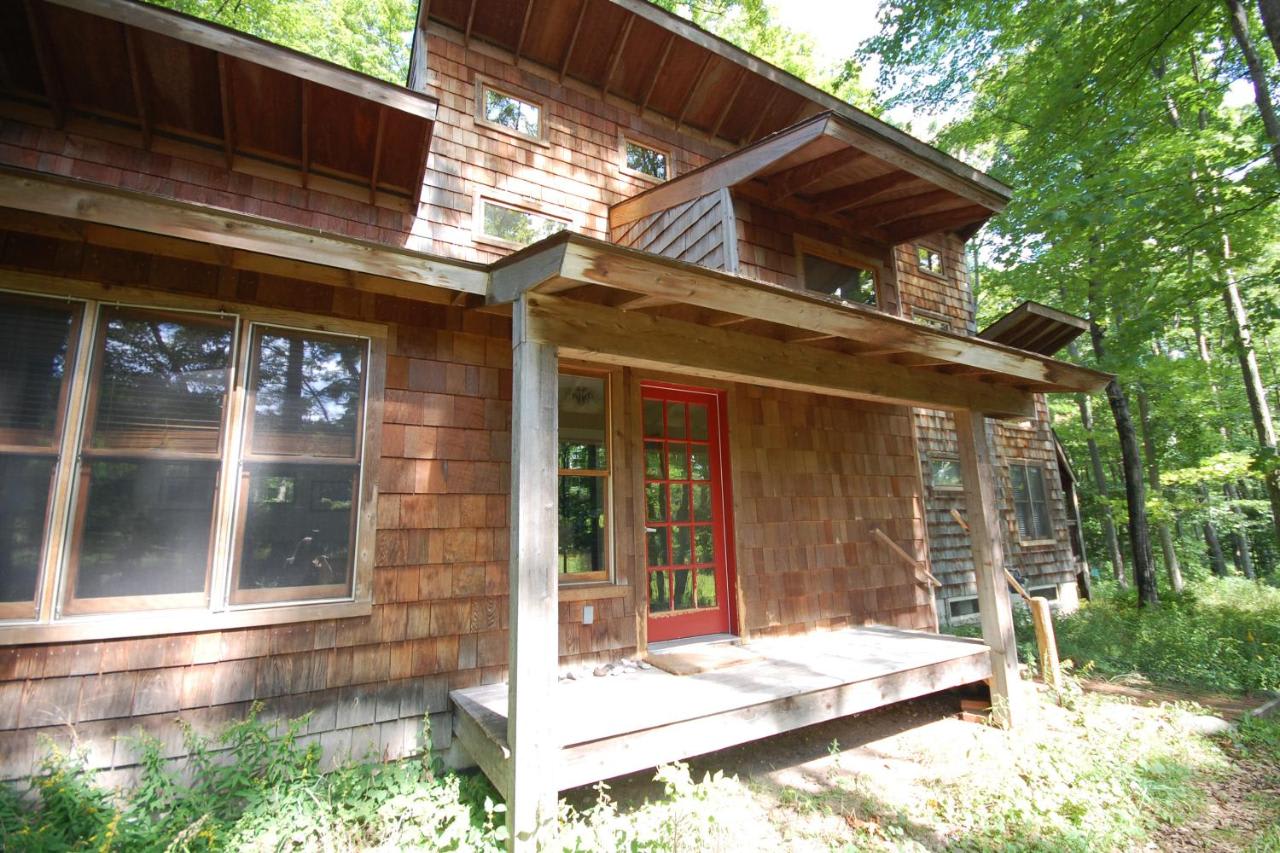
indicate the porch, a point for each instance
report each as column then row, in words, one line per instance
column 611, row 725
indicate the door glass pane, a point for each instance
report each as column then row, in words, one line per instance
column 298, row 526
column 677, row 461
column 684, row 589
column 582, row 524
column 307, row 394
column 675, row 420
column 163, row 382
column 24, row 495
column 680, row 549
column 653, row 466
column 701, row 502
column 653, row 419
column 659, row 592
column 584, row 423
column 146, row 528
column 679, row 502
column 700, row 462
column 704, row 545
column 35, row 345
column 697, row 421
column 656, row 546
column 655, row 498
column 706, row 587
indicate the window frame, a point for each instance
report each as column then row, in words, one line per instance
column 940, row 272
column 626, row 137
column 932, row 319
column 484, row 84
column 1050, row 537
column 845, row 257
column 479, row 235
column 611, row 392
column 51, row 621
column 962, row 599
column 930, row 458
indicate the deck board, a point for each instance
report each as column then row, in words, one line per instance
column 615, row 724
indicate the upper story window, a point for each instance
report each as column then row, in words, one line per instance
column 514, row 227
column 837, row 273
column 1031, row 502
column 500, row 109
column 645, row 161
column 217, row 461
column 931, row 319
column 929, row 260
column 584, row 476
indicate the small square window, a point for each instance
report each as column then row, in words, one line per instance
column 944, row 473
column 645, row 160
column 843, row 281
column 507, row 112
column 930, row 260
column 514, row 226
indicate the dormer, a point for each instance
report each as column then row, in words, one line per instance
column 826, row 206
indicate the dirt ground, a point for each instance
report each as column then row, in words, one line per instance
column 897, row 779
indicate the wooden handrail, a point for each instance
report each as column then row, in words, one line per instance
column 922, row 574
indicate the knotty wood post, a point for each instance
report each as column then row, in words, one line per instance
column 1046, row 642
column 986, row 535
column 532, row 648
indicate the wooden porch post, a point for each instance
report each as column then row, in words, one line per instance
column 987, row 536
column 532, row 650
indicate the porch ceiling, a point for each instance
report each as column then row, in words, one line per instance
column 113, row 67
column 600, row 301
column 827, row 169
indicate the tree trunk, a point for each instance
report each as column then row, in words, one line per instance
column 1270, row 12
column 1239, row 539
column 1144, row 576
column 1114, row 555
column 1217, row 564
column 1239, row 20
column 1171, row 564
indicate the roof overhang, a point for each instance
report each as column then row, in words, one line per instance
column 1036, row 328
column 601, row 301
column 113, row 67
column 828, row 168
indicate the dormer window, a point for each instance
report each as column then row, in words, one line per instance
column 836, row 272
column 645, row 161
column 502, row 110
column 930, row 260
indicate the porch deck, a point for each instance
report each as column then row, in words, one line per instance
column 620, row 724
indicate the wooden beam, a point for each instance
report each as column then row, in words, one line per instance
column 884, row 212
column 764, row 111
column 657, row 73
column 305, row 130
column 788, row 182
column 84, row 202
column 616, row 56
column 532, row 646
column 53, row 88
column 471, row 17
column 250, row 49
column 377, row 155
column 573, row 39
column 639, row 301
column 986, row 533
column 611, row 336
column 228, row 118
column 918, row 226
column 868, row 190
column 693, row 91
column 729, row 102
column 139, row 91
column 524, row 31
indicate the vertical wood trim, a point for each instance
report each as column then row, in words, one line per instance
column 139, row 93
column 922, row 504
column 738, row 451
column 305, row 130
column 988, row 562
column 533, row 583
column 377, row 155
column 418, row 55
column 228, row 122
column 635, row 447
column 728, row 231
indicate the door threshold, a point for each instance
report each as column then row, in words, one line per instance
column 686, row 643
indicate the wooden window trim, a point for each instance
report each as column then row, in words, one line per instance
column 1037, row 542
column 941, row 274
column 50, row 623
column 606, row 579
column 805, row 245
column 481, row 197
column 636, row 139
column 483, row 83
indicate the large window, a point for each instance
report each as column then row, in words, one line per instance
column 836, row 272
column 584, row 477
column 513, row 226
column 185, row 460
column 1031, row 502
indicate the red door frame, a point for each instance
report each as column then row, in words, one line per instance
column 723, row 618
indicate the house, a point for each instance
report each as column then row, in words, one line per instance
column 375, row 402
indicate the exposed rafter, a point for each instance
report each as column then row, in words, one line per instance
column 657, row 74
column 53, row 88
column 616, row 56
column 228, row 120
column 471, row 17
column 888, row 211
column 788, row 182
column 917, row 226
column 524, row 31
column 139, row 91
column 764, row 111
column 377, row 155
column 573, row 39
column 728, row 103
column 861, row 192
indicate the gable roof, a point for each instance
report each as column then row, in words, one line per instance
column 636, row 52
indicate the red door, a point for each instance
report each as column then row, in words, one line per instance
column 687, row 548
